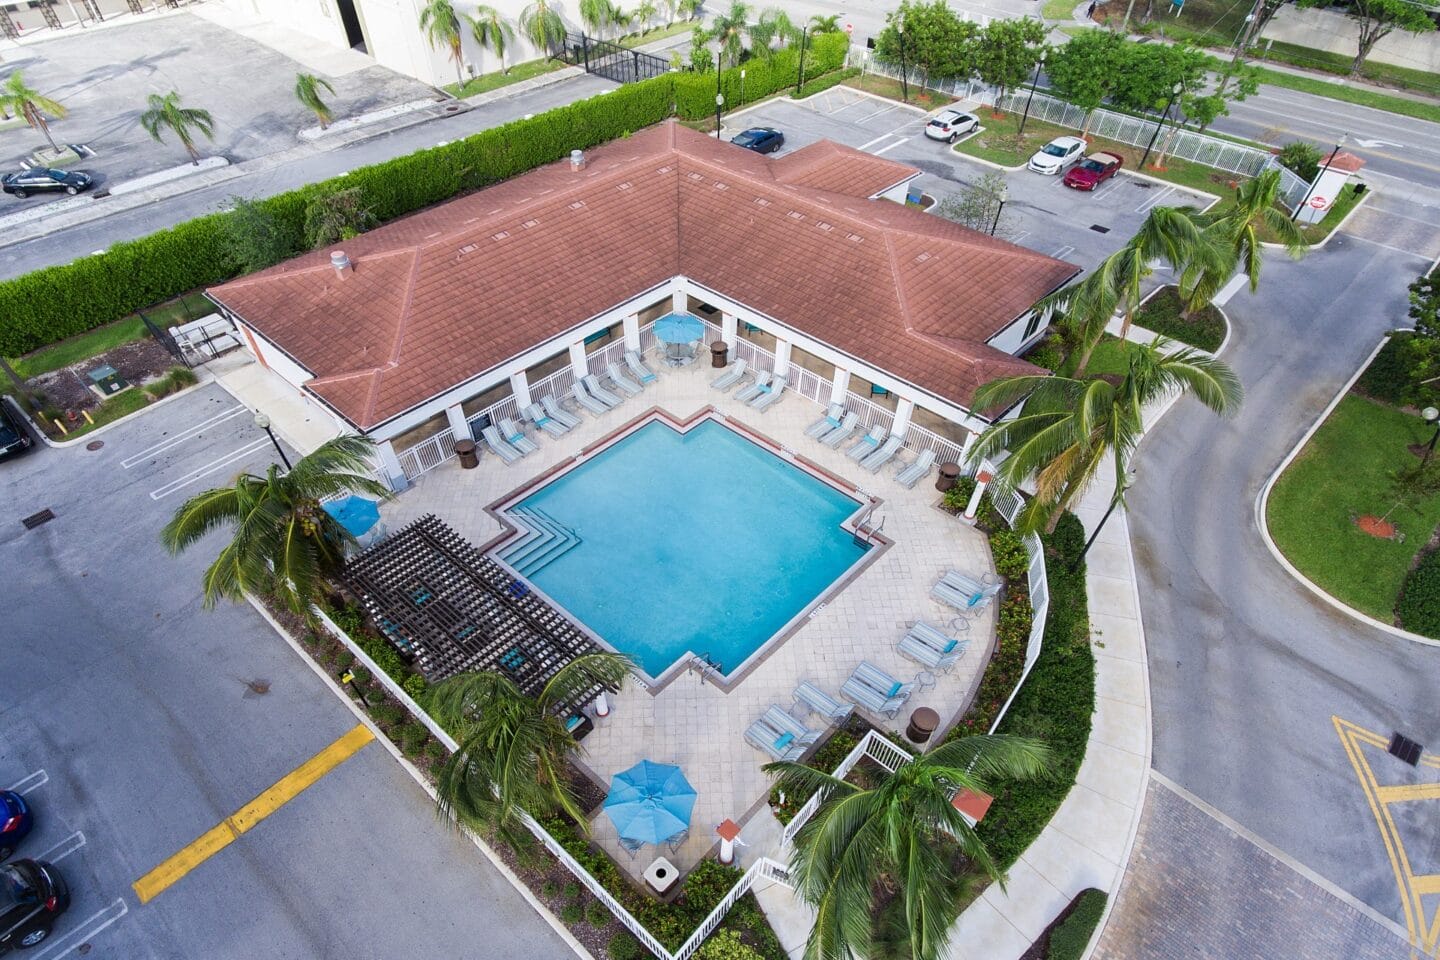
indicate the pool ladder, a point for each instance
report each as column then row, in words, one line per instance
column 705, row 666
column 864, row 536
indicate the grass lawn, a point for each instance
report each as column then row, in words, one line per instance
column 1361, row 95
column 1161, row 313
column 1406, row 78
column 493, row 81
column 1345, row 471
column 886, row 87
column 95, row 342
column 1110, row 356
column 121, row 405
column 1315, row 232
column 1058, row 9
column 657, row 33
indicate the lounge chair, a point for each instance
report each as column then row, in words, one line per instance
column 986, row 585
column 915, row 472
column 730, row 377
column 558, row 413
column 755, row 387
column 769, row 394
column 875, row 690
column 544, row 421
column 516, row 437
column 618, row 378
column 930, row 648
column 969, row 603
column 867, row 444
column 592, row 383
column 778, row 718
column 827, row 423
column 884, row 455
column 492, row 440
column 779, row 744
column 637, row 366
column 821, row 702
column 840, row 434
column 582, row 397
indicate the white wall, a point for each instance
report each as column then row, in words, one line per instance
column 271, row 356
column 317, row 18
column 1012, row 339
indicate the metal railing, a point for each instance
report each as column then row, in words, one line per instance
column 508, row 407
column 764, row 868
column 946, row 451
column 871, row 414
column 613, row 352
column 755, row 355
column 879, row 748
column 809, row 384
column 556, row 385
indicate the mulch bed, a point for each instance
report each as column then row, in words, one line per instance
column 69, row 388
column 1374, row 526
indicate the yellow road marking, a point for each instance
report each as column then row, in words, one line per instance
column 1426, row 885
column 219, row 837
column 1409, row 791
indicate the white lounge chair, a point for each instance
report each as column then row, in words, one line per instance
column 911, row 475
column 875, row 690
column 516, row 437
column 840, row 434
column 582, row 397
column 560, row 414
column 623, row 382
column 930, row 648
column 770, row 394
column 592, row 383
column 756, row 387
column 884, row 455
column 637, row 366
column 730, row 377
column 778, row 744
column 492, row 440
column 867, row 444
column 827, row 423
column 544, row 421
column 821, row 702
column 986, row 583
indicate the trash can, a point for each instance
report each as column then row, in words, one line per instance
column 719, row 354
column 949, row 473
column 465, row 450
column 922, row 725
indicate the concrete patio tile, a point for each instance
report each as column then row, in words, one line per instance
column 1036, row 901
column 1113, row 772
column 1119, row 679
column 1096, row 822
column 1121, row 725
column 1117, row 637
column 1113, row 595
column 789, row 916
column 1066, row 865
column 983, row 933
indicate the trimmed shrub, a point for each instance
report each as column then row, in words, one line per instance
column 597, row 914
column 572, row 913
column 695, row 92
column 726, row 945
column 415, row 686
column 624, row 946
column 1418, row 608
column 1301, row 159
column 821, row 84
column 1069, row 939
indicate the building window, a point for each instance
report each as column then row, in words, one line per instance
column 1031, row 326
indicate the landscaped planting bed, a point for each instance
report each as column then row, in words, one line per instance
column 1164, row 313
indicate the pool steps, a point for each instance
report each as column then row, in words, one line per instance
column 544, row 540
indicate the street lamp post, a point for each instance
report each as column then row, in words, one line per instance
column 1115, row 501
column 1004, row 195
column 1174, row 95
column 719, row 97
column 1431, row 415
column 742, row 86
column 1311, row 189
column 1039, row 65
column 800, row 80
column 263, row 422
column 904, row 70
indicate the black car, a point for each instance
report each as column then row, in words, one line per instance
column 32, row 895
column 35, row 179
column 760, row 139
column 14, row 440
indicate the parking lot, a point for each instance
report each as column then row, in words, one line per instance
column 1040, row 213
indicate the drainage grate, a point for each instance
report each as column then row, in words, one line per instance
column 35, row 519
column 1099, row 229
column 1406, row 749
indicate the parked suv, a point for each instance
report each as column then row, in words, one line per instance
column 32, row 895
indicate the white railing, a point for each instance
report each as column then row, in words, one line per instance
column 427, row 454
column 613, row 352
column 946, row 451
column 755, row 355
column 764, row 868
column 874, row 745
column 508, row 407
column 871, row 414
column 808, row 384
column 556, row 385
column 1009, row 503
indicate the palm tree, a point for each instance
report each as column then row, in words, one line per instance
column 442, row 29
column 491, row 32
column 1236, row 235
column 730, row 29
column 828, row 23
column 282, row 543
column 542, row 25
column 597, row 15
column 774, row 24
column 644, row 14
column 894, row 845
column 1068, row 426
column 166, row 113
column 690, row 9
column 25, row 102
column 514, row 748
column 1168, row 234
column 1083, row 311
column 307, row 91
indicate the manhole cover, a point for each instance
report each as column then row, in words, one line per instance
column 94, row 444
column 1099, row 229
column 35, row 519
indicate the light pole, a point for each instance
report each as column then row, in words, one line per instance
column 1174, row 95
column 800, row 81
column 263, row 422
column 1039, row 64
column 1328, row 160
column 1126, row 483
column 742, row 86
column 1004, row 195
column 719, row 97
column 1431, row 416
column 904, row 70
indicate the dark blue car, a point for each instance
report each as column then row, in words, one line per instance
column 760, row 139
column 15, row 821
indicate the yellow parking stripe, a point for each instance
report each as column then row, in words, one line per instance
column 1409, row 791
column 219, row 837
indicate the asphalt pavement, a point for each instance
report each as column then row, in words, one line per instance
column 136, row 722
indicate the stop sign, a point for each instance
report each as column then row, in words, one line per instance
column 1318, row 202
column 849, row 28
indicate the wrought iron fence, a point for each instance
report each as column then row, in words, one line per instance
column 610, row 60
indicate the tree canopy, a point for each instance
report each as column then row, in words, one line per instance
column 1007, row 51
column 1085, row 70
column 1376, row 20
column 937, row 42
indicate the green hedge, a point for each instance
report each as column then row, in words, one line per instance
column 820, row 84
column 695, row 92
column 1069, row 939
column 1419, row 604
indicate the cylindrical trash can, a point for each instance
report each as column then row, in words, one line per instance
column 922, row 725
column 465, row 450
column 719, row 354
column 949, row 473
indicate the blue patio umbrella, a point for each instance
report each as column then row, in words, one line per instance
column 355, row 514
column 678, row 328
column 650, row 802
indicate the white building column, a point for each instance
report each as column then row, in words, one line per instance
column 520, row 388
column 578, row 362
column 389, row 466
column 782, row 356
column 632, row 332
column 839, row 385
column 970, row 436
column 729, row 329
column 458, row 426
column 904, row 409
column 680, row 302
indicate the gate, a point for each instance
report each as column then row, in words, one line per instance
column 612, row 61
column 163, row 337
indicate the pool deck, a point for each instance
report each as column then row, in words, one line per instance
column 693, row 723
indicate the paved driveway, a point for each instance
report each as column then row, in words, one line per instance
column 135, row 721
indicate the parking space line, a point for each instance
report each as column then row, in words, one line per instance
column 40, row 778
column 64, row 848
column 1230, row 289
column 199, row 472
column 1062, row 252
column 846, row 106
column 182, row 436
column 1020, row 236
column 878, row 113
column 867, row 146
column 891, row 146
column 83, row 934
column 1155, row 200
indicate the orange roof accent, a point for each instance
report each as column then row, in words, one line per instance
column 1340, row 160
column 972, row 804
column 728, row 829
column 442, row 296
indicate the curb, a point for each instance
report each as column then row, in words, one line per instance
column 1263, row 498
column 1320, row 244
column 424, row 784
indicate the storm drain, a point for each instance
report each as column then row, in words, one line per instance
column 1099, row 229
column 1406, row 749
column 35, row 519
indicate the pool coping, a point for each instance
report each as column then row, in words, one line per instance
column 868, row 504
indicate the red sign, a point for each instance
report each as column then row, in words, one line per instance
column 1319, row 203
column 849, row 27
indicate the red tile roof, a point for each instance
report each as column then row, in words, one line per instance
column 444, row 295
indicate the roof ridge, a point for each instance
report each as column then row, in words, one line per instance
column 902, row 297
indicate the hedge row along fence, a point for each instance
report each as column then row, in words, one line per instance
column 58, row 302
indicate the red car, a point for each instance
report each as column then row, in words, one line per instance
column 1093, row 171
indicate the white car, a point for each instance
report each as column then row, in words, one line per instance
column 948, row 125
column 1058, row 155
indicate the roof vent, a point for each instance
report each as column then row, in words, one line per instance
column 530, row 223
column 795, row 215
column 824, row 226
column 721, row 186
column 625, row 186
column 665, row 169
column 577, row 160
column 468, row 248
column 854, row 237
column 340, row 262
column 577, row 205
column 500, row 236
column 922, row 258
column 762, row 201
column 695, row 176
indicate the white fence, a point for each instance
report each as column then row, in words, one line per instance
column 878, row 748
column 427, row 454
column 1009, row 503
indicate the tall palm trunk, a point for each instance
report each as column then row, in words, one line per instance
column 37, row 120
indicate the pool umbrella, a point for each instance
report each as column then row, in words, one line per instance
column 678, row 328
column 355, row 514
column 650, row 802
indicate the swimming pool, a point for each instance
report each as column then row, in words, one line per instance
column 699, row 541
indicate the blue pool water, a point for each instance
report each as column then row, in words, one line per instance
column 701, row 541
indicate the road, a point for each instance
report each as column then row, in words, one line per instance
column 137, row 721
